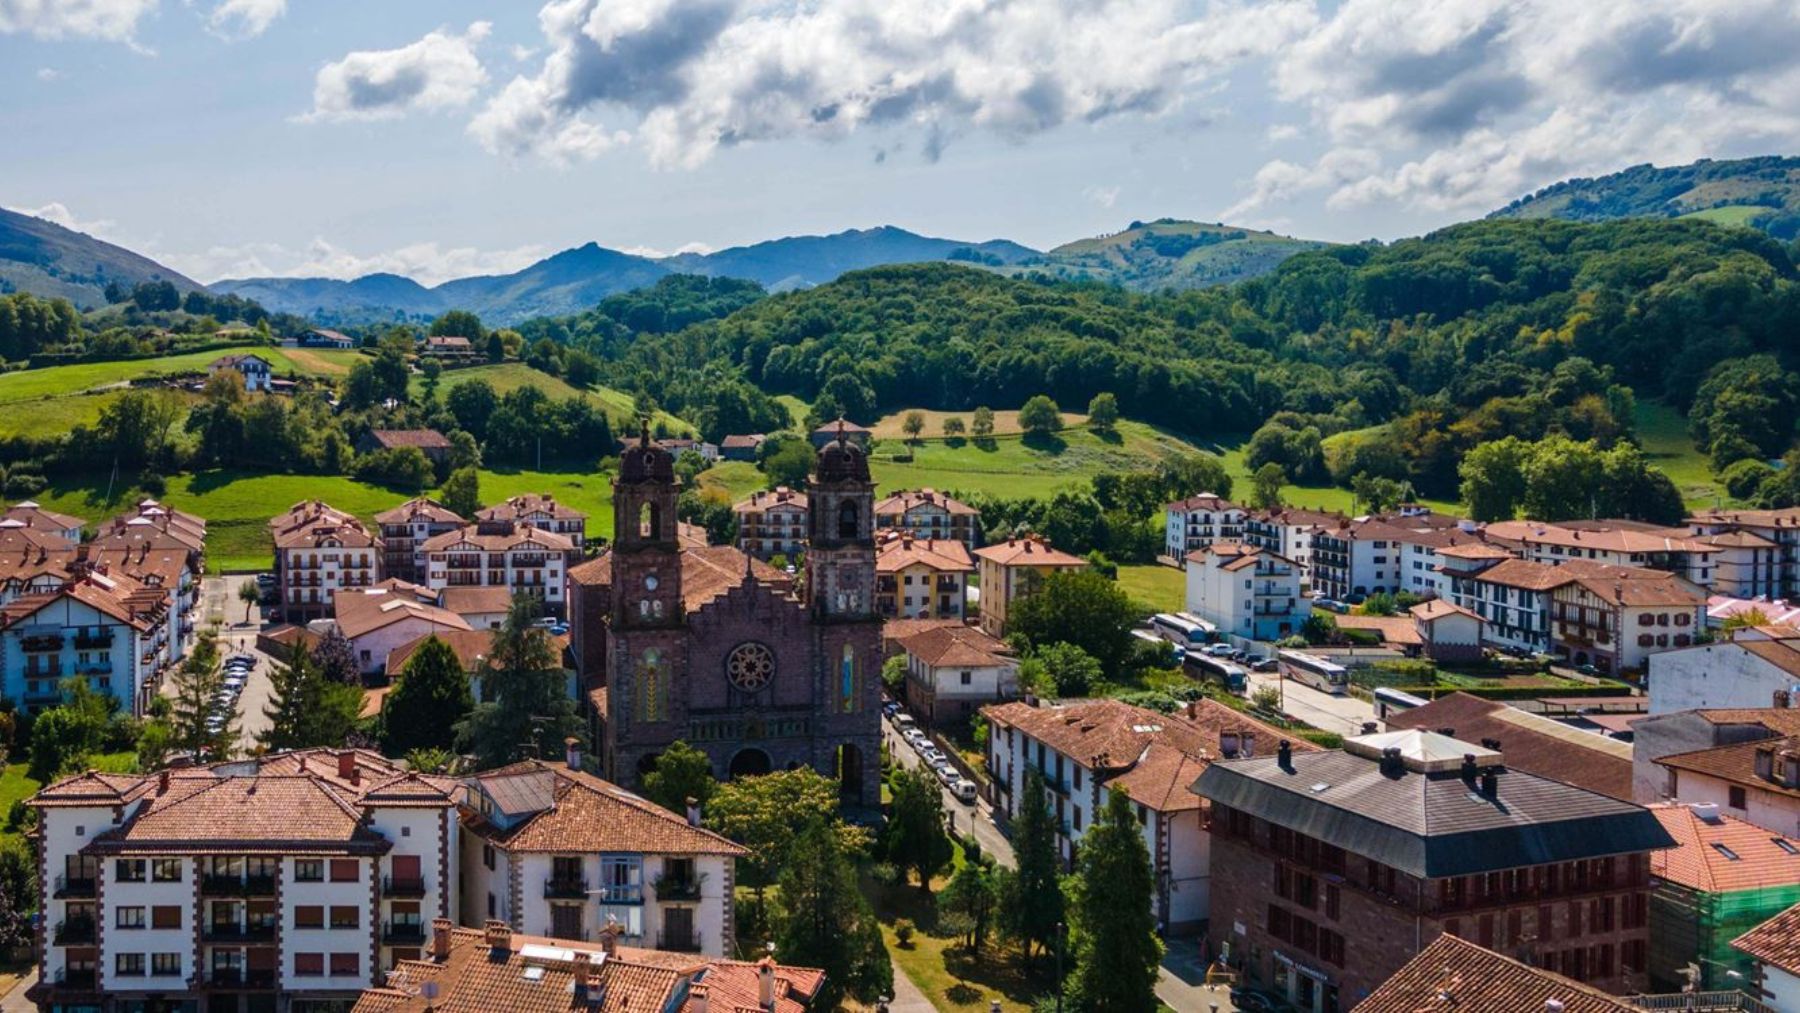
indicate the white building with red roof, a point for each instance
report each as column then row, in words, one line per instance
column 1246, row 591
column 953, row 670
column 921, row 578
column 1198, row 521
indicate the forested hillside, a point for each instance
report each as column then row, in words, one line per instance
column 1760, row 192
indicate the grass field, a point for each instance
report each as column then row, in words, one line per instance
column 1155, row 588
column 1731, row 214
column 1663, row 432
column 1005, row 423
column 510, row 376
column 60, row 381
column 15, row 786
column 1014, row 466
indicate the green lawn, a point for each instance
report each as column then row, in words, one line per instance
column 510, row 376
column 1663, row 432
column 59, row 381
column 1016, row 466
column 1311, row 497
column 1156, row 588
column 949, row 976
column 1731, row 214
column 15, row 786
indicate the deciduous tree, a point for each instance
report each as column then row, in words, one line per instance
column 430, row 697
column 681, row 773
column 915, row 837
column 827, row 922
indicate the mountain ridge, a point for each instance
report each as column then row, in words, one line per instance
column 1762, row 192
column 47, row 259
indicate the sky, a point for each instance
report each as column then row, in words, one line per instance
column 442, row 138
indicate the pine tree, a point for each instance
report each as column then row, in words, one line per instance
column 1117, row 952
column 430, row 697
column 1032, row 902
column 827, row 922
column 915, row 828
column 529, row 711
column 196, row 686
column 307, row 709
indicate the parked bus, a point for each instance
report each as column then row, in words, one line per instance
column 1314, row 671
column 1184, row 630
column 1390, row 701
column 1204, row 666
column 1177, row 652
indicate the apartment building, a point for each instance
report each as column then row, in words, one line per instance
column 28, row 514
column 380, row 620
column 1082, row 750
column 159, row 547
column 521, row 558
column 1756, row 781
column 1724, row 877
column 1198, row 521
column 1289, row 532
column 107, row 629
column 1775, row 947
column 319, row 550
column 495, row 968
column 1246, row 591
column 1745, row 669
column 1778, row 570
column 921, row 578
column 772, row 522
column 289, row 882
column 256, row 370
column 1011, row 570
column 1455, row 974
column 404, row 531
column 1614, row 618
column 1332, row 870
column 33, row 561
column 929, row 514
column 551, row 850
column 542, row 512
column 1614, row 542
column 953, row 670
column 1667, row 733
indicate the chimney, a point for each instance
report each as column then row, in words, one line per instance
column 1284, row 755
column 609, row 937
column 1490, row 783
column 162, row 783
column 765, row 983
column 572, row 752
column 693, row 811
column 1493, row 744
column 584, row 966
column 1370, row 728
column 346, row 765
column 699, row 999
column 498, row 935
column 1448, row 733
column 1228, row 744
column 1391, row 763
column 1469, row 769
column 1783, row 699
column 1247, row 744
column 440, row 939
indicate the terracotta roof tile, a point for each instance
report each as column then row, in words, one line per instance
column 907, row 500
column 1530, row 742
column 1736, row 763
column 1030, row 551
column 424, row 439
column 897, row 551
column 419, row 509
column 498, row 537
column 589, row 814
column 1775, row 942
column 363, row 611
column 764, row 500
column 267, row 812
column 315, row 524
column 1722, row 854
column 957, row 646
column 1453, row 976
column 529, row 505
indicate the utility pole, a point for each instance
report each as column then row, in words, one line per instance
column 1059, row 967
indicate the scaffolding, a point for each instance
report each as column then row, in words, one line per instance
column 1691, row 926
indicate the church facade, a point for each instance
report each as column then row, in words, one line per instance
column 712, row 647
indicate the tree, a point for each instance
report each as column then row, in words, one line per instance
column 974, row 893
column 1379, row 495
column 432, row 369
column 196, row 686
column 307, row 709
column 1117, row 953
column 459, row 324
column 335, row 658
column 1493, row 479
column 135, row 428
column 953, row 426
column 982, row 422
column 763, row 813
column 913, row 425
column 248, row 593
column 1031, row 898
column 1747, row 619
column 461, row 493
column 1040, row 415
column 430, row 697
column 915, row 837
column 681, row 773
column 1103, row 412
column 1081, row 608
column 789, row 463
column 1265, row 486
column 361, row 388
column 18, row 895
column 403, row 468
column 465, row 452
column 827, row 922
column 63, row 736
column 496, row 348
column 473, row 403
column 529, row 711
column 1192, row 474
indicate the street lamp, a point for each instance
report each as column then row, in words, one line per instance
column 1059, row 967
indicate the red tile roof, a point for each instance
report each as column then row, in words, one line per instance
column 898, row 551
column 1453, row 976
column 419, row 508
column 424, row 439
column 587, row 814
column 957, row 646
column 1737, row 763
column 907, row 500
column 1775, row 942
column 522, row 507
column 1530, row 742
column 1722, row 854
column 1028, row 551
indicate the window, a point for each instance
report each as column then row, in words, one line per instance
column 129, row 918
column 343, row 916
column 165, row 916
column 309, row 916
column 629, row 916
column 967, row 678
column 309, row 965
column 1737, row 798
column 344, row 965
column 165, row 965
column 312, row 870
column 129, row 870
column 129, row 965
column 165, row 870
column 487, row 856
column 345, row 870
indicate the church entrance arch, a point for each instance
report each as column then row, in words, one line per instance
column 850, row 773
column 750, row 763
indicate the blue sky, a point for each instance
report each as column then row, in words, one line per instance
column 446, row 137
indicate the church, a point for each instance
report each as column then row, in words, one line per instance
column 707, row 645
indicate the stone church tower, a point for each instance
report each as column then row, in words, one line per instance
column 648, row 635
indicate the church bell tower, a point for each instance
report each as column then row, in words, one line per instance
column 646, row 552
column 840, row 557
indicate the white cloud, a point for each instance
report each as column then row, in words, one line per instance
column 428, row 263
column 656, row 253
column 1105, row 196
column 1474, row 103
column 683, row 78
column 114, row 20
column 58, row 213
column 48, row 74
column 439, row 71
column 243, row 19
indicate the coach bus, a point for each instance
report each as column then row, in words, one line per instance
column 1205, row 666
column 1312, row 670
column 1184, row 630
column 1390, row 701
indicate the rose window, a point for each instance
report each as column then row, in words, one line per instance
column 750, row 667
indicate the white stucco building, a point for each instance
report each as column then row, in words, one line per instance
column 1246, row 591
column 1198, row 521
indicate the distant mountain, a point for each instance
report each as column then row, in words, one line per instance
column 46, row 259
column 804, row 261
column 371, row 298
column 1763, row 193
column 1168, row 253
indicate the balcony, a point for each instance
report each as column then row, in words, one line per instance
column 233, row 932
column 80, row 978
column 78, row 886
column 670, row 888
column 237, row 977
column 237, row 886
column 93, row 641
column 565, row 889
column 74, row 932
column 628, row 893
column 403, row 933
column 403, row 886
column 41, row 642
column 678, row 942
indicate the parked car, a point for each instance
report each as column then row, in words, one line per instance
column 963, row 789
column 949, row 775
column 904, row 720
column 1264, row 665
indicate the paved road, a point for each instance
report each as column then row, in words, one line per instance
column 15, row 1001
column 219, row 601
column 964, row 816
column 1342, row 714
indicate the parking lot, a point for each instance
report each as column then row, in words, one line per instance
column 967, row 812
column 237, row 640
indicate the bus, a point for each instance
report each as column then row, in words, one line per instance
column 1314, row 671
column 1390, row 701
column 1204, row 666
column 1177, row 652
column 1184, row 630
